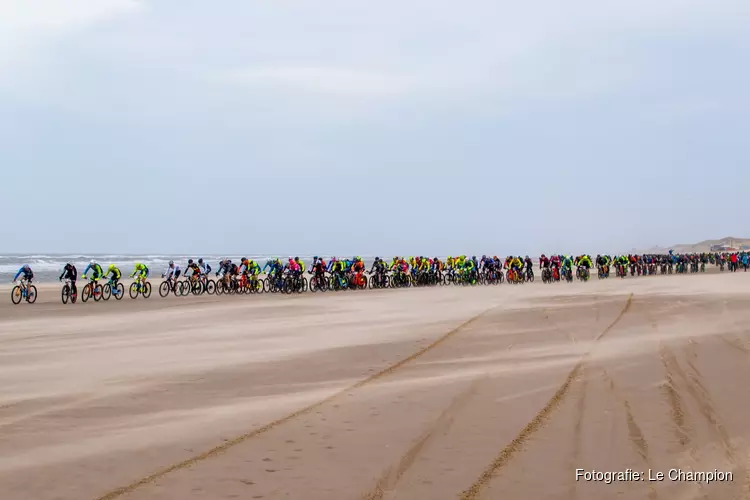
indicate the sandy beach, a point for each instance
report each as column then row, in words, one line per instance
column 440, row 393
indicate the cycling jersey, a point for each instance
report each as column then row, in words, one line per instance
column 28, row 274
column 96, row 270
column 69, row 272
column 140, row 269
column 172, row 271
column 253, row 268
column 115, row 272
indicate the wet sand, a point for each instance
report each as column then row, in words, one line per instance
column 441, row 393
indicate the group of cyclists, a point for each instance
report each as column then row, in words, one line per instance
column 342, row 273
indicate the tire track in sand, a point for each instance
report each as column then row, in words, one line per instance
column 217, row 450
column 442, row 424
column 577, row 430
column 700, row 395
column 536, row 423
column 635, row 434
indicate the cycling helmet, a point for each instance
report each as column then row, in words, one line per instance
column 315, row 258
column 243, row 259
column 190, row 261
column 68, row 264
column 473, row 257
column 200, row 261
column 171, row 263
column 111, row 267
column 296, row 258
column 229, row 261
column 93, row 262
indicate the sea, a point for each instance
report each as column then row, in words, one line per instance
column 48, row 267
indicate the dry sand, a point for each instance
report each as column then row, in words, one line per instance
column 443, row 393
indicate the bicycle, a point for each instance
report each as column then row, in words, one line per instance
column 170, row 285
column 582, row 273
column 113, row 288
column 140, row 286
column 92, row 289
column 546, row 275
column 67, row 292
column 24, row 290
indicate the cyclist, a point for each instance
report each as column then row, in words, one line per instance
column 584, row 261
column 567, row 264
column 172, row 273
column 543, row 262
column 293, row 267
column 602, row 262
column 515, row 265
column 319, row 269
column 70, row 272
column 358, row 268
column 528, row 265
column 28, row 274
column 205, row 268
column 469, row 267
column 115, row 273
column 194, row 268
column 300, row 264
column 96, row 271
column 338, row 268
column 140, row 272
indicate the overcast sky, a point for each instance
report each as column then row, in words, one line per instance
column 397, row 126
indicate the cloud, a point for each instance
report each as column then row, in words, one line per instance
column 27, row 25
column 338, row 81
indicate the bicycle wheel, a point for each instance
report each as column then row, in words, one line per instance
column 15, row 295
column 164, row 289
column 31, row 294
column 133, row 290
column 86, row 292
column 146, row 290
column 96, row 292
column 107, row 291
column 65, row 294
column 120, row 291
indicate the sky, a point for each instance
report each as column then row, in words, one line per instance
column 345, row 127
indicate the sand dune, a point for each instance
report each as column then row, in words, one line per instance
column 443, row 393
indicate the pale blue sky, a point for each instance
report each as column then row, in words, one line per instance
column 358, row 127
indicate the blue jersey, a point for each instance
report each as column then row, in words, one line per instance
column 96, row 268
column 26, row 271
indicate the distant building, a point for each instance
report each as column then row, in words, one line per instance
column 724, row 248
